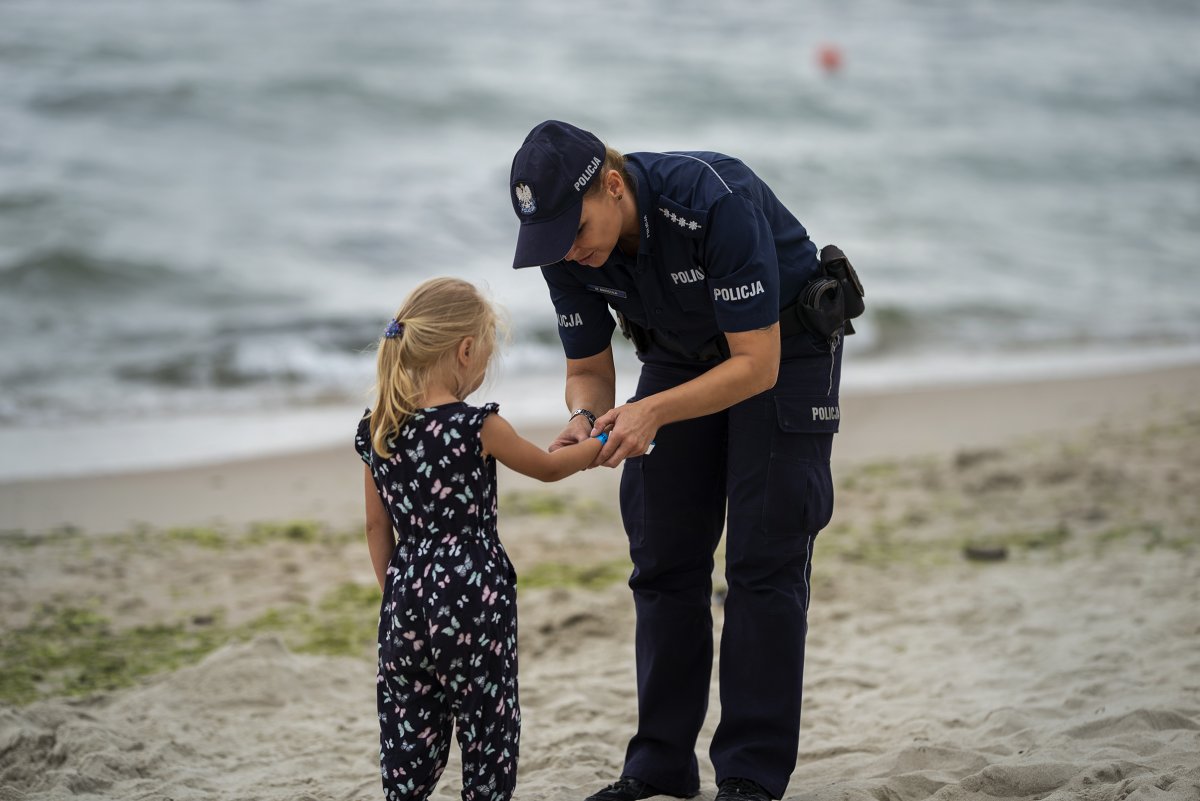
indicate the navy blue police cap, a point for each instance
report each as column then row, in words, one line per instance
column 550, row 174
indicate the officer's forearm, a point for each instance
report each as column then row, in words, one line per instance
column 592, row 383
column 728, row 383
column 752, row 367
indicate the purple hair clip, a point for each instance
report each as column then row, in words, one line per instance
column 394, row 329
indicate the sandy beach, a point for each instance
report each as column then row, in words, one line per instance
column 1006, row 605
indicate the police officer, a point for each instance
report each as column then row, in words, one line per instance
column 733, row 420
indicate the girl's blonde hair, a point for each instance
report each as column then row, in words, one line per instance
column 438, row 315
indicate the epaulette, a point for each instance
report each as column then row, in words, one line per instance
column 691, row 223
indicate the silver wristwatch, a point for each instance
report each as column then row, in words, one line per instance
column 591, row 418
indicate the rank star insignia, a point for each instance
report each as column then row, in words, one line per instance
column 682, row 222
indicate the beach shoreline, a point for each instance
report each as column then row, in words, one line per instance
column 324, row 484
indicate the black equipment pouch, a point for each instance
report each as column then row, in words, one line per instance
column 839, row 268
column 822, row 306
column 828, row 303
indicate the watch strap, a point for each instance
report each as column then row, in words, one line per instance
column 591, row 418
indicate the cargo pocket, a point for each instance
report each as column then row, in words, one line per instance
column 799, row 486
column 808, row 414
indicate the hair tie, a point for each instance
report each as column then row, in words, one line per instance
column 394, row 329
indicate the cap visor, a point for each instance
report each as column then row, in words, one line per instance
column 548, row 241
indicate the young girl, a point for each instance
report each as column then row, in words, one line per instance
column 448, row 624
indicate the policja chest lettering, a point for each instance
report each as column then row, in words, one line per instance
column 688, row 276
column 739, row 292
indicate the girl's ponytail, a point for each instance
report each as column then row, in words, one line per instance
column 397, row 393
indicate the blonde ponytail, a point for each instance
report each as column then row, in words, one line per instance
column 438, row 315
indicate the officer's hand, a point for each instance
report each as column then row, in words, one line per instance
column 631, row 428
column 577, row 430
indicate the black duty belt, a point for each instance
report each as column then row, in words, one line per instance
column 824, row 307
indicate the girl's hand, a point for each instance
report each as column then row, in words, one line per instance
column 577, row 430
column 631, row 428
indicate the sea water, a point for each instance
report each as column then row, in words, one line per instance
column 210, row 208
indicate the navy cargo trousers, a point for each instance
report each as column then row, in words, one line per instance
column 765, row 461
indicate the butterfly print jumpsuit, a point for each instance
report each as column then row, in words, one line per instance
column 448, row 622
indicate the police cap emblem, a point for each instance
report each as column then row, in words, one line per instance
column 525, row 201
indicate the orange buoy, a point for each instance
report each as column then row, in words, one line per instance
column 829, row 56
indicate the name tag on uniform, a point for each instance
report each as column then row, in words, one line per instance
column 607, row 290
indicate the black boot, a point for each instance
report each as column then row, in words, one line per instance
column 625, row 788
column 734, row 789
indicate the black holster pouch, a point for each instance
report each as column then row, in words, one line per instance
column 839, row 268
column 822, row 306
column 829, row 302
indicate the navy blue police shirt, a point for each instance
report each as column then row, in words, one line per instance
column 718, row 253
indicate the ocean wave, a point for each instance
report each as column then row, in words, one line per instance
column 156, row 100
column 221, row 368
column 334, row 333
column 24, row 201
column 886, row 329
column 325, row 354
column 231, row 214
column 67, row 271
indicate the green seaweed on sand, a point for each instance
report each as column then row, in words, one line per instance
column 74, row 651
column 71, row 650
column 198, row 535
column 343, row 623
column 545, row 503
column 289, row 531
column 561, row 574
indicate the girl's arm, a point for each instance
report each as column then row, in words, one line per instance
column 515, row 452
column 381, row 540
